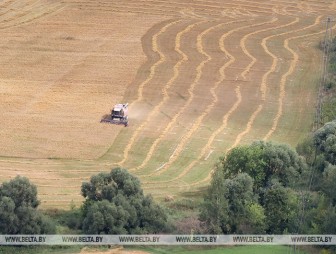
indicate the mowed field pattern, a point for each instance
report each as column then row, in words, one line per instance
column 200, row 77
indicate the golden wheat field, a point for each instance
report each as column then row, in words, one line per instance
column 200, row 77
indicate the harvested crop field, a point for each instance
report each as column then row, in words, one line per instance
column 200, row 77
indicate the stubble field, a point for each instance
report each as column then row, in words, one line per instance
column 200, row 77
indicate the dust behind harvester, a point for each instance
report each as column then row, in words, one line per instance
column 119, row 115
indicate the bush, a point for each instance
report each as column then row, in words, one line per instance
column 115, row 204
column 18, row 209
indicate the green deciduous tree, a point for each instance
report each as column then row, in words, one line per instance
column 226, row 204
column 256, row 219
column 329, row 183
column 281, row 209
column 21, row 191
column 245, row 159
column 325, row 141
column 8, row 220
column 264, row 161
column 18, row 209
column 251, row 190
column 115, row 204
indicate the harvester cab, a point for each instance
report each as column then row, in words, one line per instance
column 119, row 115
column 119, row 111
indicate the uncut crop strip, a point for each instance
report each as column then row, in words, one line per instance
column 214, row 5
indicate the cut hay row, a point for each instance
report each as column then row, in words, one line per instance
column 152, row 73
column 248, row 127
column 246, row 52
column 263, row 85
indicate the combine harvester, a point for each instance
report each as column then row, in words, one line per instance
column 119, row 115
